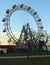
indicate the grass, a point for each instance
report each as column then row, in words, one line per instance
column 25, row 53
column 28, row 61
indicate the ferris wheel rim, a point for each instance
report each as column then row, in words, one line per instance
column 24, row 8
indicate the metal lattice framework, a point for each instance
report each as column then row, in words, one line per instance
column 31, row 11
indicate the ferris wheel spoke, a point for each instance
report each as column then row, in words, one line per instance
column 32, row 12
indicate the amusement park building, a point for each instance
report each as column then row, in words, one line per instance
column 6, row 46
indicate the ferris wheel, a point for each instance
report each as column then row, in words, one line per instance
column 31, row 11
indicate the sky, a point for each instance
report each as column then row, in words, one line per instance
column 20, row 18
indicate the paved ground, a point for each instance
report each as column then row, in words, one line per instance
column 10, row 57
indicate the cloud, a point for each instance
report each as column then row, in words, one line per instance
column 4, row 38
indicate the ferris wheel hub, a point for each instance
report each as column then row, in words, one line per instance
column 31, row 11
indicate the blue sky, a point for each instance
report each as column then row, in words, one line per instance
column 41, row 6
